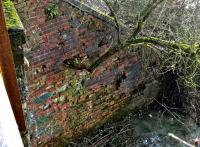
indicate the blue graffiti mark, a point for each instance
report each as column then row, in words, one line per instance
column 43, row 97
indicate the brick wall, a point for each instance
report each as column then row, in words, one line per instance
column 63, row 101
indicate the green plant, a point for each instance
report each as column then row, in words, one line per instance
column 52, row 11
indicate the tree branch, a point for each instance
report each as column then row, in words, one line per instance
column 133, row 40
column 115, row 19
column 191, row 49
column 144, row 15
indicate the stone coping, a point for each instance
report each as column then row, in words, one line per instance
column 97, row 13
column 13, row 21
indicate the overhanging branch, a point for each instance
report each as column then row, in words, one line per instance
column 115, row 18
column 144, row 15
column 133, row 40
column 191, row 49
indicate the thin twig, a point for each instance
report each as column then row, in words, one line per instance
column 179, row 139
column 143, row 16
column 113, row 14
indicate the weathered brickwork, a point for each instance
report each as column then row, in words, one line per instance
column 63, row 101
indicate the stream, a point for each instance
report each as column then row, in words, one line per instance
column 149, row 130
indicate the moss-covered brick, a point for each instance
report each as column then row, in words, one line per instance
column 12, row 19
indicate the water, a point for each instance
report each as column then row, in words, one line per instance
column 153, row 131
column 150, row 130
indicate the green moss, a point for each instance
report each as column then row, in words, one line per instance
column 12, row 18
column 76, row 117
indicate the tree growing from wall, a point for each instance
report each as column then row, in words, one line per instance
column 172, row 27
